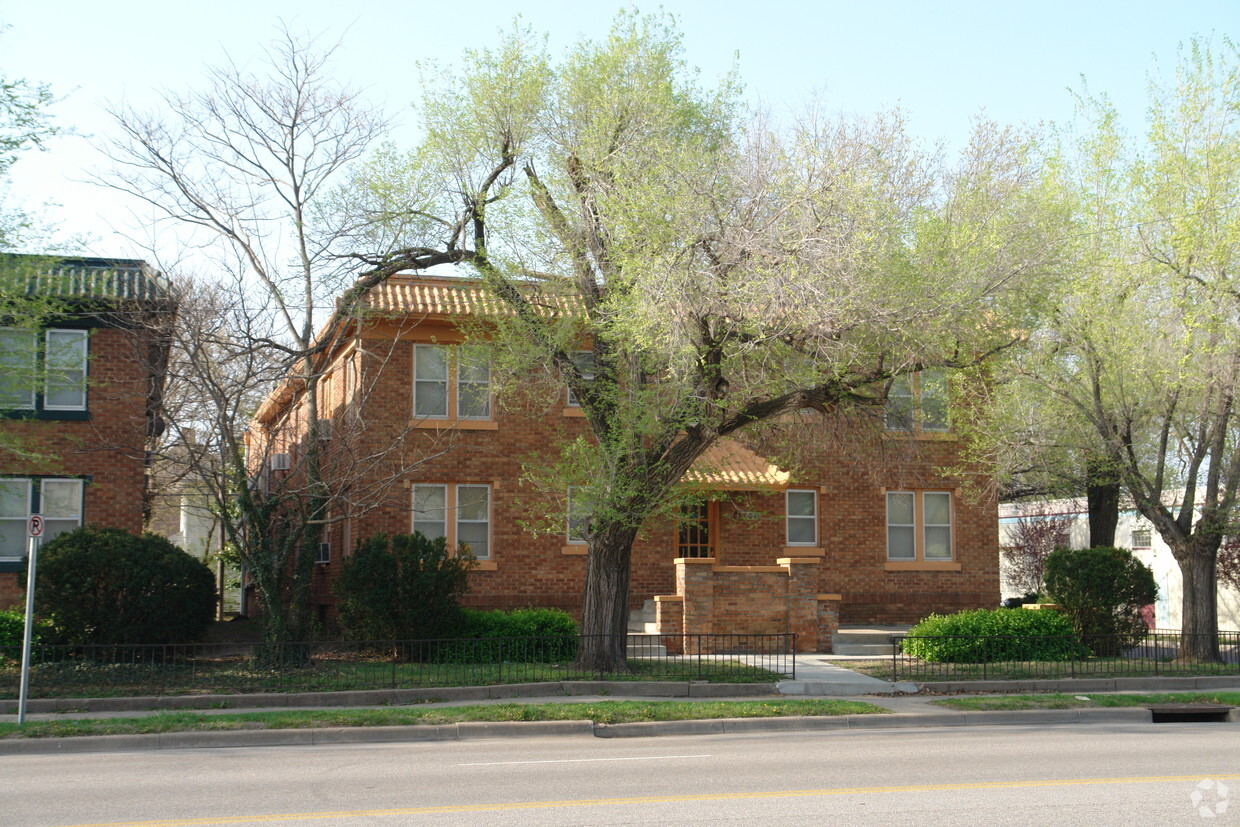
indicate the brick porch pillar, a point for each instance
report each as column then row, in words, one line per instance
column 669, row 616
column 695, row 585
column 828, row 619
column 802, row 600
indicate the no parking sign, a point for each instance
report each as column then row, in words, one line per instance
column 34, row 527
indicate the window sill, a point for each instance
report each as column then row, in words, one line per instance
column 455, row 424
column 575, row 413
column 921, row 565
column 575, row 550
column 804, row 551
column 484, row 565
column 44, row 415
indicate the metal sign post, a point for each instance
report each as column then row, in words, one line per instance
column 34, row 531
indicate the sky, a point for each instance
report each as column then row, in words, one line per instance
column 944, row 63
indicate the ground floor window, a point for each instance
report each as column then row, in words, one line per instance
column 458, row 513
column 919, row 526
column 802, row 517
column 58, row 500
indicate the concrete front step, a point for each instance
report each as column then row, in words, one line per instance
column 865, row 642
column 642, row 621
column 645, row 646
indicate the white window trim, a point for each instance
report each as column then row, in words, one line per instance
column 459, row 519
column 451, row 524
column 920, row 525
column 32, row 398
column 789, row 517
column 455, row 398
column 83, row 337
column 29, row 484
column 446, row 381
column 917, row 420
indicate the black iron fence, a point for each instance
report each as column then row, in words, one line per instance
column 232, row 668
column 1000, row 657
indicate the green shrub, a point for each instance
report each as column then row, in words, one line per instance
column 1102, row 591
column 13, row 626
column 530, row 635
column 401, row 587
column 989, row 635
column 107, row 586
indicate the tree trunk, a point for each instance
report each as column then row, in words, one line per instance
column 1199, row 619
column 605, row 608
column 1102, row 490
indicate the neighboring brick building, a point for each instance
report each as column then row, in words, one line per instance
column 866, row 531
column 79, row 392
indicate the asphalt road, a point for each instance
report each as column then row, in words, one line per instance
column 1096, row 775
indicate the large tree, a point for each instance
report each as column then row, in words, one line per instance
column 1138, row 367
column 723, row 270
column 242, row 170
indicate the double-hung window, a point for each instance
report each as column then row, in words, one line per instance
column 576, row 521
column 58, row 500
column 450, row 385
column 802, row 517
column 918, row 402
column 583, row 360
column 43, row 373
column 919, row 526
column 458, row 513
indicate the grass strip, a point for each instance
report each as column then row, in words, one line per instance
column 1085, row 700
column 603, row 712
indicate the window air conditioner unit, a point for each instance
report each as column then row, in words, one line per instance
column 324, row 430
column 325, row 553
column 279, row 462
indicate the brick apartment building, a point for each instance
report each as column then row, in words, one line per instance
column 79, row 391
column 865, row 529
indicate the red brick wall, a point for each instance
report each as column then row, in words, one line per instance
column 851, row 469
column 109, row 448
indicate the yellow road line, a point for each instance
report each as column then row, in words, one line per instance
column 661, row 799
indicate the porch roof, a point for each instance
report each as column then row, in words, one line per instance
column 730, row 466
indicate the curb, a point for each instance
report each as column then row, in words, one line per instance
column 466, row 731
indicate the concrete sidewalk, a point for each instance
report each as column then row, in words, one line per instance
column 905, row 711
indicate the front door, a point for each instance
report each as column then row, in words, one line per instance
column 697, row 530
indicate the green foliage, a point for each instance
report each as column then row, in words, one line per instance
column 531, row 622
column 1102, row 591
column 402, row 587
column 107, row 586
column 12, row 627
column 987, row 635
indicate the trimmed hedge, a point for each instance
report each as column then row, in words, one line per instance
column 536, row 635
column 1102, row 590
column 989, row 635
column 107, row 586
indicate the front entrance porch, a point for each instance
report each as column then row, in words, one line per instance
column 712, row 599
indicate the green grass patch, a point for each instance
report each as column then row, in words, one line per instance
column 603, row 712
column 1039, row 670
column 1086, row 701
column 78, row 679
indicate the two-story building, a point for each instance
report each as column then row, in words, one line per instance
column 863, row 528
column 83, row 353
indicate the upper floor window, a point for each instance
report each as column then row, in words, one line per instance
column 919, row 526
column 577, row 518
column 1142, row 538
column 58, row 500
column 918, row 402
column 450, row 385
column 583, row 360
column 59, row 386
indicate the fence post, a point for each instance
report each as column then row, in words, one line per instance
column 895, row 669
column 985, row 656
column 499, row 666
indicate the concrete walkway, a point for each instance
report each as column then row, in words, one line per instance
column 820, row 675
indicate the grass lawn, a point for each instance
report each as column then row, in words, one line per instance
column 604, row 712
column 1040, row 670
column 1086, row 701
column 76, row 679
